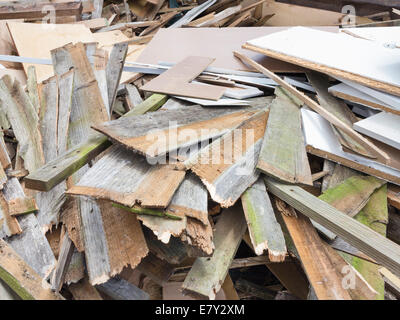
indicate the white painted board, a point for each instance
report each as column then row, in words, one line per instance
column 384, row 127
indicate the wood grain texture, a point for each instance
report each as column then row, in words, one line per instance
column 265, row 232
column 207, row 274
column 176, row 80
column 363, row 238
column 21, row 278
column 227, row 166
column 83, row 290
column 153, row 135
column 378, row 153
column 120, row 289
column 130, row 180
column 283, row 153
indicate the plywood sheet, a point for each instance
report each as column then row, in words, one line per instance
column 335, row 54
column 175, row 44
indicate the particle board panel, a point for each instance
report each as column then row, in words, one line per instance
column 321, row 141
column 176, row 80
column 335, row 54
column 214, row 42
column 383, row 126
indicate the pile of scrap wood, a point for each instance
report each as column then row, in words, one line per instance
column 148, row 152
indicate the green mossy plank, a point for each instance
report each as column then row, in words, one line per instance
column 375, row 216
column 352, row 194
column 283, row 153
column 265, row 232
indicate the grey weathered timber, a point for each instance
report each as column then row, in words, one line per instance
column 24, row 120
column 207, row 274
column 114, row 71
column 64, row 259
column 193, row 13
column 174, row 253
column 128, row 180
column 98, row 8
column 32, row 87
column 26, row 282
column 133, row 96
column 337, row 107
column 265, row 232
column 32, row 238
column 77, row 156
column 384, row 251
column 283, row 153
column 65, row 89
column 49, row 202
column 134, row 132
column 227, row 166
column 120, row 289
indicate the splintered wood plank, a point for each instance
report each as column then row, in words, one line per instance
column 176, row 80
column 335, row 54
column 375, row 216
column 113, row 236
column 227, row 166
column 384, row 251
column 114, row 70
column 65, row 89
column 77, row 156
column 283, row 152
column 333, row 119
column 265, row 232
column 32, row 239
column 8, row 224
column 352, row 194
column 320, row 83
column 100, row 58
column 32, row 87
column 156, row 269
column 322, row 142
column 326, row 281
column 205, row 278
column 130, row 180
column 21, row 278
column 152, row 134
column 199, row 236
column 120, row 289
column 24, row 120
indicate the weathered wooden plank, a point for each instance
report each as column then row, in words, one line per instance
column 207, row 274
column 265, row 232
column 8, row 224
column 32, row 238
column 133, row 96
column 64, row 259
column 227, row 166
column 177, row 80
column 113, row 236
column 120, row 289
column 333, row 119
column 384, row 251
column 77, row 156
column 32, row 87
column 320, row 82
column 156, row 269
column 114, row 70
column 130, row 180
column 137, row 133
column 21, row 278
column 24, row 120
column 375, row 216
column 100, row 58
column 65, row 89
column 283, row 153
column 352, row 194
column 199, row 236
